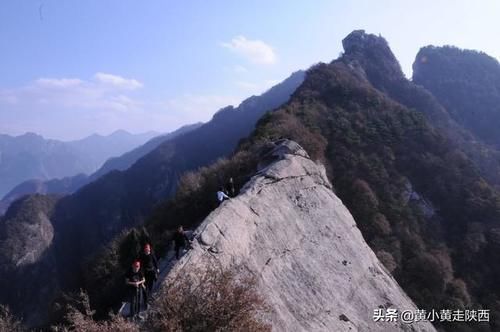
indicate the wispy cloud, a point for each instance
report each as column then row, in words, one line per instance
column 255, row 51
column 103, row 91
column 118, row 81
column 69, row 108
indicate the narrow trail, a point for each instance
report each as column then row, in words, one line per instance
column 165, row 265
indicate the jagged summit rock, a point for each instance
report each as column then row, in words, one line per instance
column 365, row 50
column 359, row 40
column 288, row 228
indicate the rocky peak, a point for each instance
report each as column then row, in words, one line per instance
column 366, row 51
column 291, row 231
column 360, row 41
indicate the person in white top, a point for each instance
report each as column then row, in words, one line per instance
column 221, row 195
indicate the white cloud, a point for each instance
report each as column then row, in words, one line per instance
column 69, row 108
column 255, row 51
column 103, row 92
column 118, row 81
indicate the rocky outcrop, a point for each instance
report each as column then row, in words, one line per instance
column 26, row 259
column 363, row 50
column 313, row 266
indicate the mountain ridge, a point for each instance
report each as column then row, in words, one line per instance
column 291, row 231
column 30, row 156
column 467, row 83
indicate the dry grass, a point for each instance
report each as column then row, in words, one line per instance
column 209, row 300
column 79, row 318
column 8, row 322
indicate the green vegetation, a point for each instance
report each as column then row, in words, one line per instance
column 467, row 83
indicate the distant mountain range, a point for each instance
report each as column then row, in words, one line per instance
column 31, row 157
column 70, row 184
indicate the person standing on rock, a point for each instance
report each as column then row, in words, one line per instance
column 180, row 241
column 149, row 264
column 135, row 281
column 221, row 195
column 231, row 189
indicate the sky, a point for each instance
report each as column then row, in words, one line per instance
column 72, row 68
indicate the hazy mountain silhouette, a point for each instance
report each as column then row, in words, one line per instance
column 30, row 156
column 70, row 184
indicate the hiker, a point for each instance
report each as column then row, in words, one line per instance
column 231, row 189
column 151, row 270
column 221, row 195
column 135, row 281
column 180, row 241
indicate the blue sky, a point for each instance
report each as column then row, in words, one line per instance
column 72, row 68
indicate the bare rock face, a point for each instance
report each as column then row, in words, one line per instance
column 313, row 266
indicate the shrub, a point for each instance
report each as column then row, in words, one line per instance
column 208, row 300
column 8, row 322
column 387, row 259
column 79, row 318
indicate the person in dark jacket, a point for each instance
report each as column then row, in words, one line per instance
column 149, row 265
column 180, row 241
column 135, row 284
column 230, row 188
